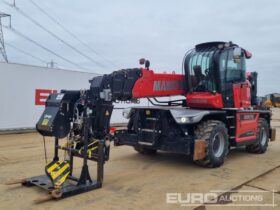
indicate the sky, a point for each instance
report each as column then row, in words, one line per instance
column 123, row 31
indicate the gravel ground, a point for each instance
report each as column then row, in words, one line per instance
column 134, row 181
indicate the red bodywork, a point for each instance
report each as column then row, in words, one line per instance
column 157, row 85
column 242, row 95
column 246, row 126
column 151, row 84
column 204, row 100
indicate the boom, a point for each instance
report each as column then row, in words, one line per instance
column 121, row 85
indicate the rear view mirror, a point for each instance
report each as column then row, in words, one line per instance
column 237, row 52
column 248, row 55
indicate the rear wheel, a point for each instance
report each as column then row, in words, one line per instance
column 262, row 138
column 215, row 134
column 145, row 151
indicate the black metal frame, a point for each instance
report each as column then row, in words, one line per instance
column 172, row 136
column 74, row 185
column 165, row 134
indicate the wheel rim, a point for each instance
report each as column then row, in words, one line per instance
column 218, row 145
column 263, row 137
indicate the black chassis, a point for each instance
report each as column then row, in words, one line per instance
column 160, row 128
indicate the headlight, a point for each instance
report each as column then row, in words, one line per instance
column 126, row 113
column 186, row 120
column 188, row 116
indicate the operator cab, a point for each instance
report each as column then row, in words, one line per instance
column 213, row 71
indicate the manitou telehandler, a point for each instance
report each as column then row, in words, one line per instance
column 217, row 113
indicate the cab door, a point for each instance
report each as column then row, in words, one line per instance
column 232, row 76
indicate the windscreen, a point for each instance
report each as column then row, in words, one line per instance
column 201, row 74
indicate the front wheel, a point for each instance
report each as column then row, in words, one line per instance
column 262, row 138
column 215, row 134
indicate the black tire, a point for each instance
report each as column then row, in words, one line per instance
column 262, row 138
column 145, row 151
column 215, row 134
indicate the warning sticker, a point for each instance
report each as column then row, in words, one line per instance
column 45, row 121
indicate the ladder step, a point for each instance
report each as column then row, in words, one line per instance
column 145, row 143
column 230, row 117
column 152, row 118
column 148, row 130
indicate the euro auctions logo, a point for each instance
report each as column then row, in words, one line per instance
column 237, row 198
column 41, row 95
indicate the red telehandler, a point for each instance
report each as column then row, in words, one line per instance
column 217, row 113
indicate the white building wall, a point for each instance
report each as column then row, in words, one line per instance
column 17, row 92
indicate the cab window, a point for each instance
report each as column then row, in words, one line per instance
column 232, row 70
